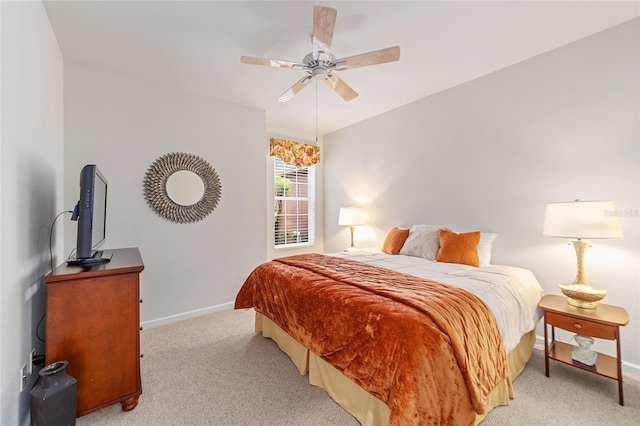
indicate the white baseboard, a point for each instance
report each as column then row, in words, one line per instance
column 628, row 369
column 187, row 315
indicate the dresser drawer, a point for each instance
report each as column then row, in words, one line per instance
column 581, row 326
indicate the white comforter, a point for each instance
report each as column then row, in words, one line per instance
column 511, row 293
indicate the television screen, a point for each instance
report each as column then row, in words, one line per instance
column 91, row 214
column 99, row 211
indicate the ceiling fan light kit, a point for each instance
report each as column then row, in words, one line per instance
column 321, row 64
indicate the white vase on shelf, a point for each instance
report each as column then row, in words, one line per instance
column 582, row 353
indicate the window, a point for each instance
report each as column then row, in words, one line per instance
column 294, row 209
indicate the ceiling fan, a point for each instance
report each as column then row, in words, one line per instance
column 321, row 64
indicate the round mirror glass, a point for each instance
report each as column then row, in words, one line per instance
column 185, row 187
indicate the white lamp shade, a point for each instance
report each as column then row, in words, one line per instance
column 352, row 216
column 582, row 219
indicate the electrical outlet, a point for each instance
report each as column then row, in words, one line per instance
column 23, row 377
column 32, row 355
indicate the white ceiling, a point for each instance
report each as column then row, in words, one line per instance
column 196, row 46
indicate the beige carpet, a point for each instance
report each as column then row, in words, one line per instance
column 214, row 370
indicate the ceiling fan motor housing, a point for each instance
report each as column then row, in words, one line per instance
column 319, row 67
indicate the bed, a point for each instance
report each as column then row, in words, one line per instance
column 399, row 339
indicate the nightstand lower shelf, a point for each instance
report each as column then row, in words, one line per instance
column 605, row 365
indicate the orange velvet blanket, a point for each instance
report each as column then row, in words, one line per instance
column 430, row 351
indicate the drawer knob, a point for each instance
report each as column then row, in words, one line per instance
column 140, row 300
column 578, row 326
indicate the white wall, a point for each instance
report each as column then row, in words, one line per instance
column 489, row 154
column 123, row 126
column 31, row 159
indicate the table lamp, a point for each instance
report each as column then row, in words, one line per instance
column 352, row 217
column 581, row 221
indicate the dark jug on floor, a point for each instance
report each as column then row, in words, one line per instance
column 53, row 400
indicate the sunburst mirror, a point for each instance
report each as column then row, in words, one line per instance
column 182, row 188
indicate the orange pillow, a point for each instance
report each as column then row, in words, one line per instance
column 395, row 240
column 458, row 248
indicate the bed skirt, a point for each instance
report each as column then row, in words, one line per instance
column 367, row 409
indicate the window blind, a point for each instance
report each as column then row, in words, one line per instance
column 294, row 210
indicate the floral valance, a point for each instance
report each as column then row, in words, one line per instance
column 295, row 153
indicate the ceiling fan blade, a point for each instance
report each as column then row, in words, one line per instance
column 324, row 22
column 276, row 63
column 293, row 90
column 340, row 87
column 390, row 54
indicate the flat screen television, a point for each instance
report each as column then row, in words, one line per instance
column 91, row 215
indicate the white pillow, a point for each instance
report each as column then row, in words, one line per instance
column 422, row 242
column 484, row 247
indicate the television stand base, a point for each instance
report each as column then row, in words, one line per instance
column 97, row 258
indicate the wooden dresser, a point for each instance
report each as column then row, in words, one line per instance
column 93, row 321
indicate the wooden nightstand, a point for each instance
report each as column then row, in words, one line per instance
column 603, row 323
